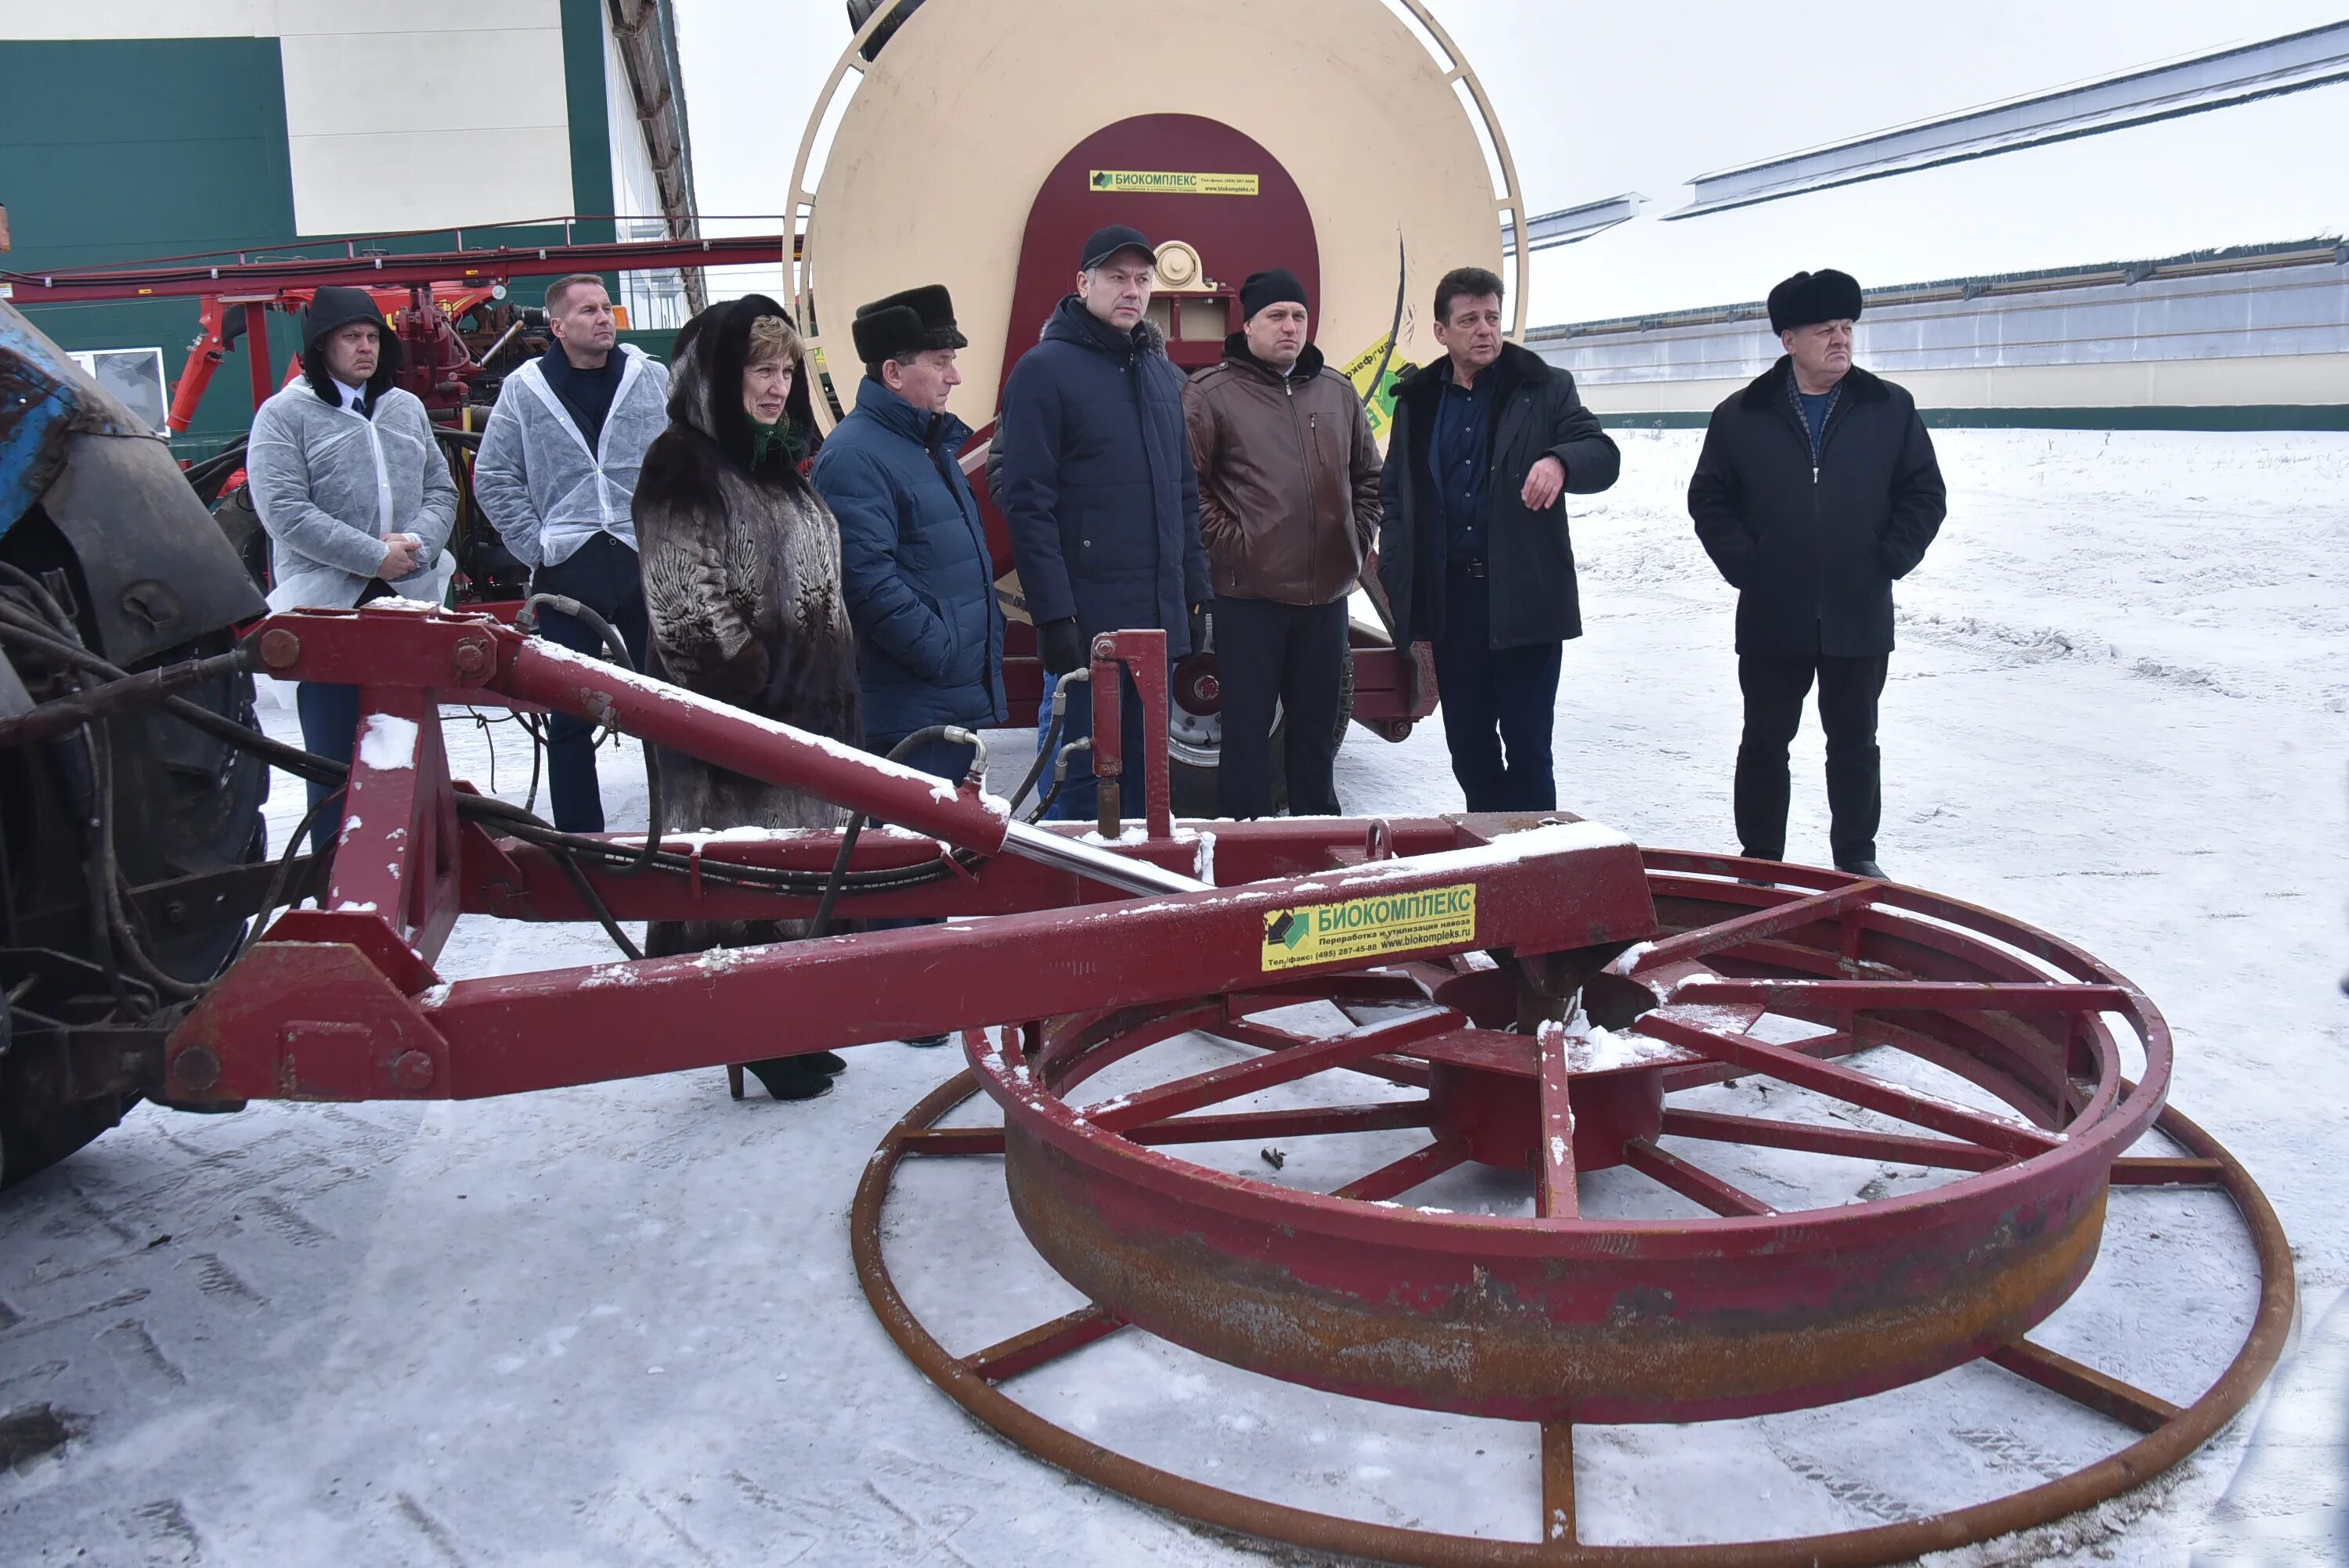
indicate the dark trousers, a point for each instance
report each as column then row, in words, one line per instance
column 1498, row 705
column 1079, row 798
column 1775, row 689
column 602, row 574
column 1294, row 655
column 330, row 721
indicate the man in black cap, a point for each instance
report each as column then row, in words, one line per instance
column 1288, row 502
column 1816, row 489
column 1098, row 487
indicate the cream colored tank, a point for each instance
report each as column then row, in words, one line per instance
column 945, row 140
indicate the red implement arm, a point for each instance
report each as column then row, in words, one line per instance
column 342, row 1001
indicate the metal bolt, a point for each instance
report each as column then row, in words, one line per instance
column 195, row 1069
column 279, row 647
column 472, row 659
column 412, row 1071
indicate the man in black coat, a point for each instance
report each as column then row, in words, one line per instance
column 1098, row 488
column 1815, row 491
column 1473, row 552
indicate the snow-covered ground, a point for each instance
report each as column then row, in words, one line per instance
column 618, row 1324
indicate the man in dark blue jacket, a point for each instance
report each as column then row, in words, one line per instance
column 1098, row 486
column 914, row 565
column 913, row 548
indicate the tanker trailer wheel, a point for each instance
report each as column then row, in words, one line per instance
column 182, row 804
column 1194, row 735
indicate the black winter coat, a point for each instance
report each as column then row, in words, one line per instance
column 1814, row 551
column 1529, row 554
column 1097, row 482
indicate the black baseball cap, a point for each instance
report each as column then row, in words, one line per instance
column 1109, row 240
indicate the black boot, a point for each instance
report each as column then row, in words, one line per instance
column 1868, row 869
column 828, row 1063
column 791, row 1078
column 928, row 1042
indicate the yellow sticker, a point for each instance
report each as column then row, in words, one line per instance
column 1378, row 402
column 1366, row 927
column 1148, row 183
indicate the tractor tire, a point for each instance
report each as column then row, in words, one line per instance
column 240, row 524
column 184, row 803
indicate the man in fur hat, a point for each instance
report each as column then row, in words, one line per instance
column 912, row 548
column 350, row 486
column 1816, row 489
column 914, row 562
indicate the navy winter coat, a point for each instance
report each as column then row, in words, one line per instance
column 914, row 567
column 1098, row 486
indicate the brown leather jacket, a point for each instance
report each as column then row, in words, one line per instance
column 1289, row 477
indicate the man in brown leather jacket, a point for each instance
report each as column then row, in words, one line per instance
column 1289, row 503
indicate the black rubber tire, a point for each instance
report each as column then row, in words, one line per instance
column 185, row 803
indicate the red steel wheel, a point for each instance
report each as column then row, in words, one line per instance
column 1914, row 1030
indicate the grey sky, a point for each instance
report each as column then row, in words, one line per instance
column 1597, row 100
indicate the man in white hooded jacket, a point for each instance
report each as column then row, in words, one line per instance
column 353, row 494
column 556, row 474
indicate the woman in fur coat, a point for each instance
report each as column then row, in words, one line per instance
column 742, row 565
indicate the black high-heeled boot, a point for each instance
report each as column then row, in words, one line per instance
column 791, row 1078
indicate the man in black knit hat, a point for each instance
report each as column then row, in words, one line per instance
column 1289, row 503
column 1816, row 489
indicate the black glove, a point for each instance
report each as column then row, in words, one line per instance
column 1198, row 629
column 1060, row 645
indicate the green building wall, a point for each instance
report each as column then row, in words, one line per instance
column 120, row 150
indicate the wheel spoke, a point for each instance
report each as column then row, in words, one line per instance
column 1045, row 1342
column 1280, row 1067
column 1907, row 996
column 1698, row 1186
column 955, row 1140
column 1811, row 1138
column 1420, row 1165
column 1842, row 1083
column 1557, row 1481
column 2165, row 1170
column 1699, row 1075
column 1772, row 921
column 1553, row 1193
column 2130, row 1406
column 1309, row 1122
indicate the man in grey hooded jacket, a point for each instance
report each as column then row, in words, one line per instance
column 353, row 494
column 556, row 475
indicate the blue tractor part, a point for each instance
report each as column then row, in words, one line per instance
column 125, row 843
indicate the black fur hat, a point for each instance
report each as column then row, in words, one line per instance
column 1808, row 298
column 907, row 323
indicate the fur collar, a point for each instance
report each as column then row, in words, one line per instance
column 1770, row 386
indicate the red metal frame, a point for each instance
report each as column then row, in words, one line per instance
column 343, row 1002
